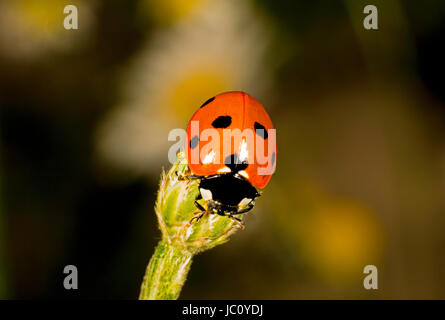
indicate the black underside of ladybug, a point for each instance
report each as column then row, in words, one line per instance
column 227, row 191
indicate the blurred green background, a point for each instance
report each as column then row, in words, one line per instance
column 360, row 118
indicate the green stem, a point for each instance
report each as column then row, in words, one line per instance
column 166, row 273
column 184, row 234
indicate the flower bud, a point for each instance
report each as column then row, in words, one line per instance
column 176, row 210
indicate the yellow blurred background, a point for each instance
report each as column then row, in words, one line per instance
column 360, row 118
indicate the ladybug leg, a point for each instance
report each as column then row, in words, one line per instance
column 181, row 176
column 246, row 209
column 197, row 217
column 201, row 209
column 186, row 175
column 199, row 206
column 237, row 221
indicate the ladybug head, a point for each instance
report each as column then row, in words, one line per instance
column 230, row 190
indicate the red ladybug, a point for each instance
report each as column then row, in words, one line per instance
column 230, row 161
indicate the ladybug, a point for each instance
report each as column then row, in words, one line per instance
column 230, row 174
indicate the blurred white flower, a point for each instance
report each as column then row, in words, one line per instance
column 221, row 49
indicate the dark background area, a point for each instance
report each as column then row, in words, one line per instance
column 360, row 124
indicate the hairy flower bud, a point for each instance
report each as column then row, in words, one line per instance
column 183, row 234
column 176, row 210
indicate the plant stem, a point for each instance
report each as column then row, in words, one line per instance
column 166, row 273
column 183, row 235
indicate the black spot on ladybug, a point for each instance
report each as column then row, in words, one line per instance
column 234, row 164
column 273, row 158
column 207, row 102
column 194, row 142
column 261, row 131
column 222, row 122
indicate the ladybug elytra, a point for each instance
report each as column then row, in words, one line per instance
column 231, row 149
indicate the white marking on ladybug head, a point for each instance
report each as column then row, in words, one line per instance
column 209, row 157
column 243, row 153
column 225, row 169
column 244, row 202
column 244, row 174
column 206, row 194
